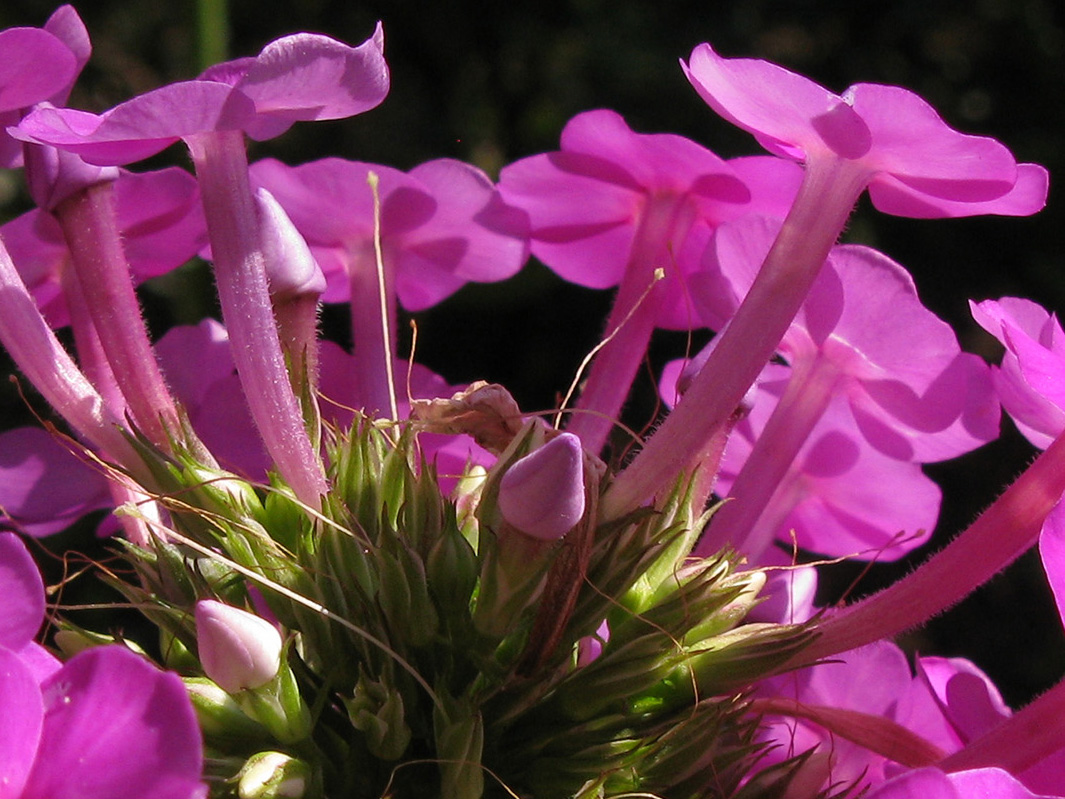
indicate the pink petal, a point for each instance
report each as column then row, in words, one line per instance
column 790, row 115
column 1042, row 369
column 43, row 487
column 966, row 695
column 581, row 226
column 161, row 219
column 37, row 247
column 20, row 697
column 66, row 25
column 1028, row 195
column 194, row 358
column 41, row 663
column 116, row 727
column 1037, row 416
column 653, row 162
column 142, row 126
column 36, row 66
column 21, row 594
column 308, row 76
column 496, row 235
column 879, row 508
column 773, row 183
column 927, row 783
column 912, row 143
column 990, row 782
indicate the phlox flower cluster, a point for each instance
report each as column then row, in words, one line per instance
column 357, row 567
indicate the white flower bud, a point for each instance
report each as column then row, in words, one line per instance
column 238, row 650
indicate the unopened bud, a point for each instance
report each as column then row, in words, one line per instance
column 542, row 495
column 290, row 266
column 238, row 650
column 273, row 775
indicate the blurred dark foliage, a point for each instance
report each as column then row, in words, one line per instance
column 491, row 82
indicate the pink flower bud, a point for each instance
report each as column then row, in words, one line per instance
column 238, row 650
column 543, row 493
column 291, row 268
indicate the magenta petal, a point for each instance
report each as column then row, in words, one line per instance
column 1042, row 369
column 1028, row 195
column 66, row 25
column 773, row 183
column 161, row 219
column 36, row 65
column 307, row 76
column 37, row 247
column 790, row 115
column 194, row 358
column 656, row 162
column 43, row 487
column 41, row 663
column 1052, row 552
column 1012, row 320
column 21, row 594
column 879, row 508
column 968, row 698
column 912, row 143
column 20, row 697
column 142, row 126
column 581, row 226
column 496, row 235
column 116, row 727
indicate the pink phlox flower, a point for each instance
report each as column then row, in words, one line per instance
column 158, row 214
column 442, row 224
column 39, row 65
column 913, row 163
column 300, row 77
column 913, row 393
column 608, row 188
column 105, row 725
column 1031, row 378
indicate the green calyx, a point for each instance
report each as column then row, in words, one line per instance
column 432, row 660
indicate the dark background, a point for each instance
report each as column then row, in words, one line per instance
column 490, row 82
